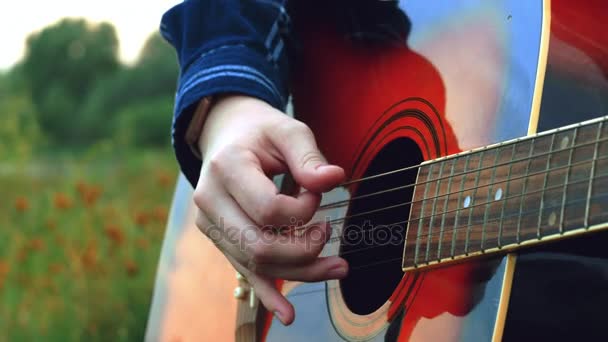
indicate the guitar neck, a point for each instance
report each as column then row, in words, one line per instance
column 509, row 195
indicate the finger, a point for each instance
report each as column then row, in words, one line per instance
column 321, row 269
column 265, row 289
column 242, row 238
column 232, row 230
column 221, row 239
column 220, row 218
column 258, row 196
column 288, row 249
column 296, row 142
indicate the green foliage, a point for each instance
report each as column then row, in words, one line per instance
column 158, row 58
column 62, row 63
column 126, row 92
column 137, row 99
column 19, row 131
column 146, row 123
column 80, row 92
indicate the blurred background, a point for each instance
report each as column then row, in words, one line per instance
column 86, row 168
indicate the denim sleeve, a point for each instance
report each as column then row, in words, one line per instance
column 224, row 46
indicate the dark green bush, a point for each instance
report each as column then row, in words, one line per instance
column 146, row 123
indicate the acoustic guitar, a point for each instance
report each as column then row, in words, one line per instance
column 432, row 109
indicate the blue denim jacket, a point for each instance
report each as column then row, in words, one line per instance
column 224, row 46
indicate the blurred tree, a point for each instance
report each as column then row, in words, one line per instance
column 19, row 131
column 156, row 68
column 61, row 65
column 145, row 123
column 154, row 74
column 139, row 97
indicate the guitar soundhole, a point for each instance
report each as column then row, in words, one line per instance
column 372, row 243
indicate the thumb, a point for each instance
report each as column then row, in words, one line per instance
column 296, row 143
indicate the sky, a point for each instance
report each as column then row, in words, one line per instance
column 134, row 20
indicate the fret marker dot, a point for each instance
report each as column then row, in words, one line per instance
column 552, row 218
column 565, row 142
column 467, row 201
column 498, row 194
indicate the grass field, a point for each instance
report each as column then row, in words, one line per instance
column 79, row 244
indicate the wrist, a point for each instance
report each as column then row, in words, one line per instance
column 231, row 116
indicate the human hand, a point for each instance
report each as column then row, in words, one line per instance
column 244, row 142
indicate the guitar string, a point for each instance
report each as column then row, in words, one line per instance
column 377, row 263
column 339, row 232
column 525, row 213
column 459, row 192
column 487, row 148
column 346, row 202
column 343, row 203
column 338, row 238
column 335, row 287
column 469, row 153
column 401, row 258
column 546, row 171
column 343, row 219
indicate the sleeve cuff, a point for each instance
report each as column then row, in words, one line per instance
column 227, row 69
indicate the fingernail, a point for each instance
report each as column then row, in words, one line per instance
column 322, row 167
column 338, row 272
column 279, row 316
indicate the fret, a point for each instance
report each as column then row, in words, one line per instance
column 578, row 178
column 477, row 228
column 563, row 209
column 592, row 174
column 488, row 202
column 471, row 178
column 542, row 198
column 553, row 193
column 472, row 204
column 421, row 218
column 504, row 202
column 576, row 193
column 513, row 198
column 599, row 198
column 433, row 211
column 533, row 193
column 490, row 213
column 458, row 204
column 452, row 206
column 412, row 235
column 523, row 192
column 446, row 208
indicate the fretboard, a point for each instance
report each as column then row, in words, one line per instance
column 508, row 195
